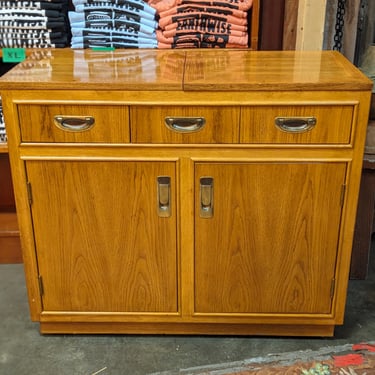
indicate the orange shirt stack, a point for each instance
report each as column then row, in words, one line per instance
column 202, row 24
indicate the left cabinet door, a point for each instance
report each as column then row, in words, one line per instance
column 101, row 242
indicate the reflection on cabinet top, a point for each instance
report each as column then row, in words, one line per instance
column 185, row 70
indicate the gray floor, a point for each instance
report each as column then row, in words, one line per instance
column 24, row 351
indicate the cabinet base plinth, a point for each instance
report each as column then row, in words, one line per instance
column 186, row 329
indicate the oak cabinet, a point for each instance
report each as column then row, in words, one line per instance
column 195, row 200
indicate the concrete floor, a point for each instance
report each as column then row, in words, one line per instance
column 24, row 351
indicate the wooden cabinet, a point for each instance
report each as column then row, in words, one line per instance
column 212, row 194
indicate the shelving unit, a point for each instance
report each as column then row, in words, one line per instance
column 10, row 247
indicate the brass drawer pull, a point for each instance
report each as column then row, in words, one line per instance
column 74, row 123
column 295, row 124
column 185, row 124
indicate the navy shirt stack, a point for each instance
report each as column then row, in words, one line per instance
column 34, row 24
column 113, row 23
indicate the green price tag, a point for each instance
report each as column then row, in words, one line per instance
column 103, row 49
column 12, row 55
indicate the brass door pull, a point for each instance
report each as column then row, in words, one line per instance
column 206, row 197
column 163, row 189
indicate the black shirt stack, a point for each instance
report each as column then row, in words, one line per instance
column 34, row 24
column 3, row 136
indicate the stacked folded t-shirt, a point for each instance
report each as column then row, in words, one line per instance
column 3, row 135
column 202, row 24
column 113, row 23
column 125, row 23
column 34, row 24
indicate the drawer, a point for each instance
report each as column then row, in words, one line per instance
column 315, row 124
column 191, row 124
column 74, row 123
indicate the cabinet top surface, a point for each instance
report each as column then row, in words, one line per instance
column 185, row 70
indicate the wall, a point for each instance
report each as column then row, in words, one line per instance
column 310, row 24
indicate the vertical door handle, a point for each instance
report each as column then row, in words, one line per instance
column 164, row 196
column 206, row 197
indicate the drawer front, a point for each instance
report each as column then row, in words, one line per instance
column 314, row 124
column 74, row 123
column 192, row 124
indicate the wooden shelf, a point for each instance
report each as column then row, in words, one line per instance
column 8, row 224
column 3, row 148
column 10, row 246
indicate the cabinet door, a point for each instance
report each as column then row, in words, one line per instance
column 271, row 242
column 101, row 243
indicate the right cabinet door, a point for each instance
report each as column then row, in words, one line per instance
column 266, row 236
